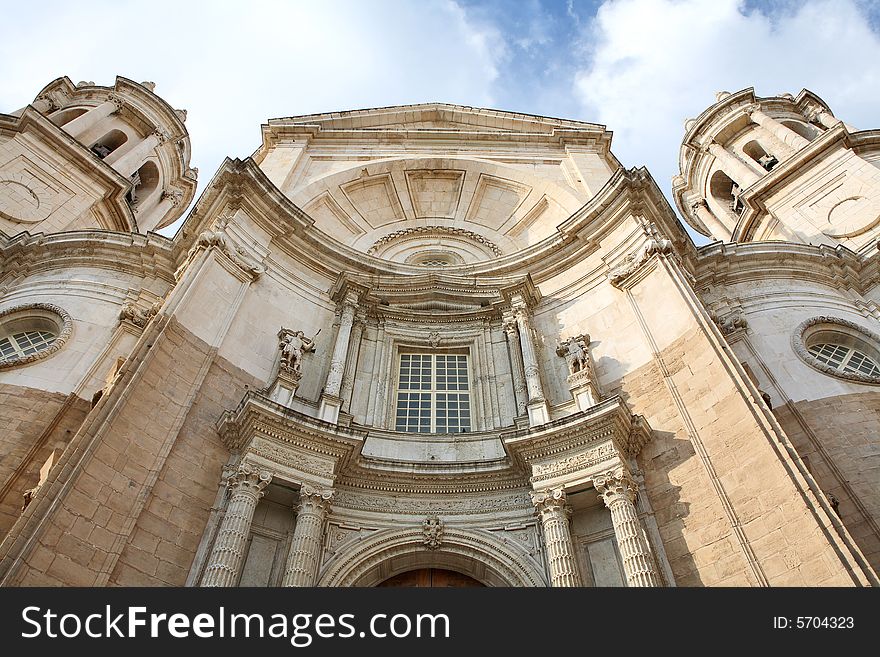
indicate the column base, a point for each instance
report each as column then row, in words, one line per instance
column 284, row 387
column 539, row 413
column 583, row 390
column 329, row 408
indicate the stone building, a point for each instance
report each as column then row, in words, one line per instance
column 437, row 345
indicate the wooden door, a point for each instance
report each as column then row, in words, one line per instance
column 431, row 578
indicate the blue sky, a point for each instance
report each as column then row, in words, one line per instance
column 641, row 67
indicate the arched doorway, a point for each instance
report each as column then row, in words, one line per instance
column 430, row 578
column 476, row 554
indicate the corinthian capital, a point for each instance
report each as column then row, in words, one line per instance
column 550, row 501
column 248, row 479
column 314, row 499
column 615, row 485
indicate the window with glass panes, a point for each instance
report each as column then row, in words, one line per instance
column 845, row 359
column 25, row 343
column 433, row 394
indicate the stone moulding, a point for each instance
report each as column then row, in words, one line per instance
column 66, row 329
column 800, row 347
column 431, row 231
column 509, row 562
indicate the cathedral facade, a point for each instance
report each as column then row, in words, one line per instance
column 435, row 345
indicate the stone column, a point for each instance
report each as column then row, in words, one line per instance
column 246, row 487
column 149, row 217
column 537, row 404
column 778, row 130
column 823, row 117
column 91, row 118
column 618, row 491
column 776, row 145
column 712, row 223
column 131, row 160
column 550, row 505
column 516, row 361
column 357, row 332
column 308, row 537
column 738, row 170
column 340, row 349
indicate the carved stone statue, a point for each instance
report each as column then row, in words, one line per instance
column 293, row 345
column 574, row 350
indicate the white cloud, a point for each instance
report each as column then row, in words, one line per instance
column 655, row 63
column 234, row 65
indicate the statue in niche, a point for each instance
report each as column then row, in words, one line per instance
column 294, row 345
column 575, row 352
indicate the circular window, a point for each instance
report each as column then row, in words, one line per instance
column 840, row 348
column 31, row 332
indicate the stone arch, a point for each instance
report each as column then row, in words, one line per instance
column 478, row 554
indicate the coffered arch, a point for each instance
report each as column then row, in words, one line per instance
column 477, row 208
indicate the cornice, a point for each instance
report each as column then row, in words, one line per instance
column 732, row 263
column 241, row 184
column 148, row 255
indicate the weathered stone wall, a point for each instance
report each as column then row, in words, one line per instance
column 837, row 439
column 161, row 547
column 34, row 424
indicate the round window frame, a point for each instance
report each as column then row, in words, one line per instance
column 36, row 311
column 847, row 334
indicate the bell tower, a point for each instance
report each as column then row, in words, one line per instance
column 779, row 168
column 87, row 156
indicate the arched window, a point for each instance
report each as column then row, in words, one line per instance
column 808, row 132
column 755, row 151
column 65, row 116
column 725, row 192
column 144, row 182
column 109, row 143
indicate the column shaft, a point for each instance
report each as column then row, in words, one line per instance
column 246, row 487
column 131, row 160
column 713, row 224
column 91, row 118
column 782, row 132
column 357, row 332
column 340, row 349
column 530, row 358
column 308, row 538
column 738, row 170
column 551, row 508
column 515, row 350
column 776, row 145
column 618, row 491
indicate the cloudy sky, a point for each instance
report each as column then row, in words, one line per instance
column 641, row 67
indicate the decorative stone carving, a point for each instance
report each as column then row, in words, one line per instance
column 553, row 512
column 581, row 379
column 307, row 543
column 731, row 322
column 246, row 486
column 294, row 345
column 427, row 231
column 434, row 339
column 219, row 239
column 632, row 262
column 618, row 490
column 432, row 532
column 574, row 350
column 130, row 312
